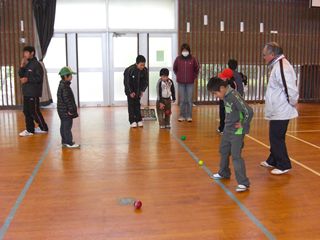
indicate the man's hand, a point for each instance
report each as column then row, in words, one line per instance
column 238, row 125
column 70, row 114
column 24, row 62
column 132, row 95
column 161, row 106
column 23, row 80
column 141, row 94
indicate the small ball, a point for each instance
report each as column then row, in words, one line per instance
column 137, row 204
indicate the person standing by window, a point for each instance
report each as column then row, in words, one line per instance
column 31, row 78
column 135, row 83
column 186, row 68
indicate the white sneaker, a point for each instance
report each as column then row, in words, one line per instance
column 220, row 132
column 241, row 188
column 140, row 124
column 25, row 133
column 71, row 146
column 266, row 165
column 279, row 172
column 189, row 119
column 216, row 176
column 181, row 119
column 162, row 127
column 133, row 125
column 168, row 126
column 39, row 131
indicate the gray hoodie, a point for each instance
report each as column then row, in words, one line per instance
column 237, row 110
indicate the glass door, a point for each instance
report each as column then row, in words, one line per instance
column 160, row 56
column 159, row 51
column 91, row 69
column 54, row 60
column 123, row 53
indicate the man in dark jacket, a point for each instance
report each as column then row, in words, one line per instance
column 67, row 108
column 135, row 83
column 31, row 78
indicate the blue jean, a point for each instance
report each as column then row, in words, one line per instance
column 185, row 98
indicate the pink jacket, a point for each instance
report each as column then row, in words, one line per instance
column 186, row 69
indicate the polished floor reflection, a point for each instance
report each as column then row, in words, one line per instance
column 75, row 194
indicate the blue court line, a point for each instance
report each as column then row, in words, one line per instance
column 22, row 194
column 250, row 215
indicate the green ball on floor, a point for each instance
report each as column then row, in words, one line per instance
column 183, row 138
column 200, row 162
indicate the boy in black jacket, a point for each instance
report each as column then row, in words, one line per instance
column 67, row 108
column 31, row 78
column 165, row 95
column 135, row 83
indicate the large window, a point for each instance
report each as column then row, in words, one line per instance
column 142, row 14
column 54, row 60
column 80, row 15
column 7, row 94
column 74, row 15
column 90, row 69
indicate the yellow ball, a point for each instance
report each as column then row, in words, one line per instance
column 200, row 162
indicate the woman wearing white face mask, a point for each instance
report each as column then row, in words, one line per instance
column 186, row 68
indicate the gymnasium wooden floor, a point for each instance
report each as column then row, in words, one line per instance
column 50, row 193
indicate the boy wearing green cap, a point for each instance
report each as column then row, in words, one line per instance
column 67, row 108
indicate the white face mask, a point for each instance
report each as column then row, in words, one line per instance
column 185, row 53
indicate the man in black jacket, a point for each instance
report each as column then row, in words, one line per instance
column 67, row 108
column 31, row 78
column 135, row 83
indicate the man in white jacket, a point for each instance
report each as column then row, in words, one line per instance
column 280, row 106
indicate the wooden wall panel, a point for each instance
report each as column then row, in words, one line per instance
column 12, row 12
column 298, row 32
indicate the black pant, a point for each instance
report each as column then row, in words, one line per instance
column 222, row 114
column 31, row 110
column 134, row 110
column 278, row 151
column 65, row 131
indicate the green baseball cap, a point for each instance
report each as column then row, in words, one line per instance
column 66, row 71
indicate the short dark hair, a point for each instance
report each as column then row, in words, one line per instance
column 215, row 83
column 164, row 72
column 140, row 59
column 65, row 76
column 274, row 48
column 232, row 64
column 29, row 49
column 185, row 46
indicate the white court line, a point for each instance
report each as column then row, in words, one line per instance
column 301, row 140
column 302, row 131
column 293, row 160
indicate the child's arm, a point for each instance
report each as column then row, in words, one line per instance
column 246, row 111
column 146, row 80
column 159, row 90
column 71, row 109
column 173, row 91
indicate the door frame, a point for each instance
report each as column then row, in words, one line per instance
column 143, row 48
